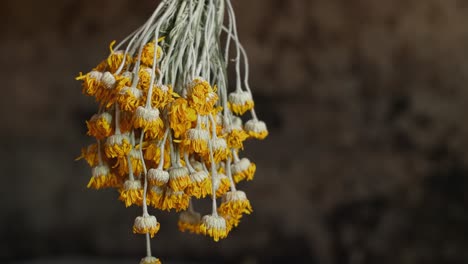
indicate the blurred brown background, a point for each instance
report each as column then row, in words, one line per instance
column 367, row 161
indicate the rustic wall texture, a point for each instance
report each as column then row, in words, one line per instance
column 367, row 161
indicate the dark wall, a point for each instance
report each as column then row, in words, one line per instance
column 366, row 102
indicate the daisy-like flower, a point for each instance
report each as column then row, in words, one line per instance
column 158, row 177
column 117, row 145
column 214, row 226
column 179, row 178
column 136, row 163
column 131, row 193
column 196, row 140
column 162, row 96
column 148, row 119
column 181, row 117
column 102, row 178
column 256, row 129
column 221, row 184
column 90, row 154
column 150, row 260
column 100, row 125
column 200, row 186
column 155, row 196
column 220, row 149
column 189, row 221
column 153, row 153
column 146, row 224
column 176, row 200
column 144, row 78
column 147, row 56
column 116, row 58
column 243, row 169
column 201, row 96
column 91, row 82
column 236, row 137
column 129, row 98
column 240, row 102
column 234, row 205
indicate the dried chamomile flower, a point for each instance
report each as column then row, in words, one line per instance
column 103, row 178
column 158, row 177
column 118, row 145
column 168, row 130
column 243, row 169
column 174, row 200
column 179, row 178
column 100, row 125
column 148, row 119
column 131, row 193
column 148, row 53
column 234, row 205
column 256, row 129
column 196, row 140
column 214, row 226
column 146, row 224
column 200, row 186
column 189, row 221
column 240, row 102
column 129, row 98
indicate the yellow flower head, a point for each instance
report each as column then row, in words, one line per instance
column 116, row 58
column 146, row 225
column 196, row 140
column 129, row 98
column 179, row 178
column 200, row 186
column 103, row 178
column 240, row 102
column 158, row 177
column 100, row 125
column 175, row 200
column 135, row 159
column 243, row 170
column 91, row 82
column 235, row 203
column 90, row 154
column 214, row 226
column 118, row 146
column 181, row 117
column 131, row 193
column 147, row 56
column 220, row 150
column 155, row 196
column 148, row 120
column 162, row 96
column 153, row 153
column 236, row 134
column 189, row 221
column 221, row 183
column 144, row 78
column 201, row 96
column 256, row 129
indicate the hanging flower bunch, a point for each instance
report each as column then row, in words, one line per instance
column 168, row 131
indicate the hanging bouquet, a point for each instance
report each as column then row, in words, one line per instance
column 168, row 129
